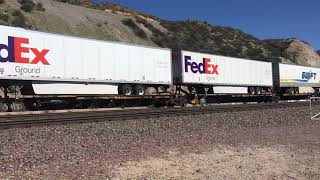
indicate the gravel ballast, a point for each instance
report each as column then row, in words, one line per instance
column 101, row 150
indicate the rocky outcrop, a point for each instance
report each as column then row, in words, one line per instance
column 302, row 53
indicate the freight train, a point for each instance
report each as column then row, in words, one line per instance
column 38, row 69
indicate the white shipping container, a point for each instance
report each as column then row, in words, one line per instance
column 298, row 76
column 31, row 55
column 199, row 68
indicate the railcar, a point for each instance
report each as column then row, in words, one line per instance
column 42, row 64
column 39, row 69
column 208, row 76
column 294, row 80
column 222, row 78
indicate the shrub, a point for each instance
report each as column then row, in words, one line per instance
column 140, row 20
column 39, row 7
column 135, row 28
column 4, row 17
column 99, row 25
column 16, row 13
column 19, row 20
column 1, row 1
column 27, row 5
column 155, row 31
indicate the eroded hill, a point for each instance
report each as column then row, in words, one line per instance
column 107, row 21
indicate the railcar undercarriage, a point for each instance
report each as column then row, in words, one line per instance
column 19, row 96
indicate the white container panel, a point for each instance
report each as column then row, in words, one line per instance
column 57, row 69
column 162, row 66
column 81, row 89
column 224, row 70
column 121, row 58
column 230, row 90
column 91, row 61
column 295, row 76
column 73, row 62
column 136, row 62
column 107, row 63
column 148, row 62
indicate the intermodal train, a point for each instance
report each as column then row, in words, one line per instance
column 38, row 69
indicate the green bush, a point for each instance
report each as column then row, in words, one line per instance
column 99, row 25
column 140, row 20
column 19, row 20
column 39, row 7
column 27, row 5
column 4, row 17
column 135, row 28
column 17, row 13
column 155, row 31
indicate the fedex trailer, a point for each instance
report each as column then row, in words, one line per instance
column 209, row 72
column 78, row 65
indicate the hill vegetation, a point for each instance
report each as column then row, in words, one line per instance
column 217, row 40
column 106, row 5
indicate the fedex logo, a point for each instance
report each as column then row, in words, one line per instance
column 17, row 46
column 205, row 67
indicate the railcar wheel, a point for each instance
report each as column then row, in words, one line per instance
column 126, row 90
column 17, row 106
column 139, row 90
column 94, row 105
column 3, row 107
column 258, row 91
column 203, row 101
column 291, row 91
column 316, row 90
column 251, row 90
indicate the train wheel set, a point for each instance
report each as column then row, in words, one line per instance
column 14, row 101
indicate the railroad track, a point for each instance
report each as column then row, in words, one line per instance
column 23, row 121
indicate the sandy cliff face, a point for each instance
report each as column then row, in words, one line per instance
column 301, row 53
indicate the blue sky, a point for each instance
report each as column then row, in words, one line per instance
column 262, row 18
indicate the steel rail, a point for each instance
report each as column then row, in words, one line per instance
column 7, row 122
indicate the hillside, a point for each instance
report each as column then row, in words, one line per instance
column 107, row 21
